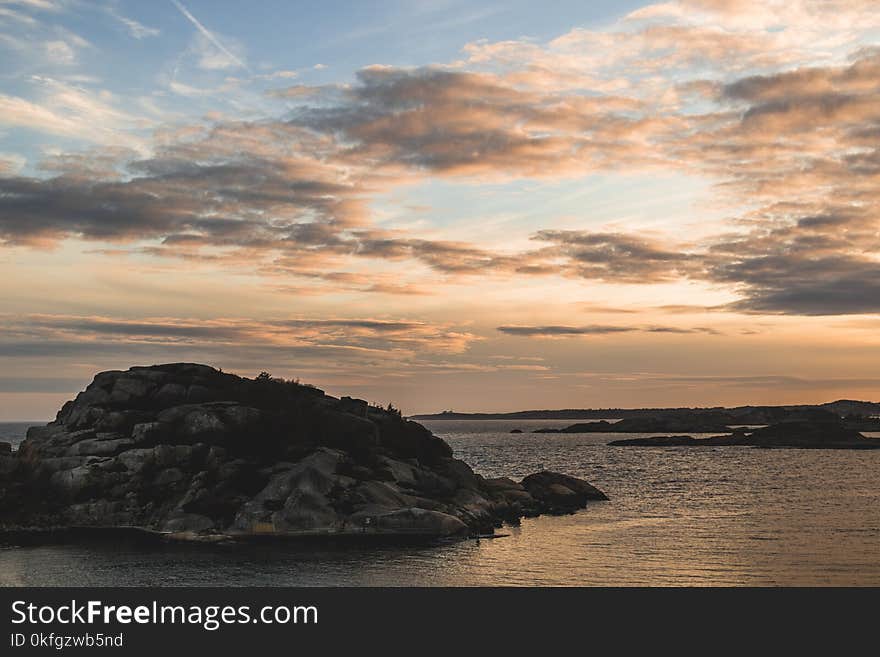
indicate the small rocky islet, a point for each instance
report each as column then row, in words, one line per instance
column 796, row 434
column 810, row 429
column 187, row 451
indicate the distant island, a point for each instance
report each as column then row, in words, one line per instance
column 817, row 433
column 836, row 425
column 864, row 412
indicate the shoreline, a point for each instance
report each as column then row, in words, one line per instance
column 106, row 535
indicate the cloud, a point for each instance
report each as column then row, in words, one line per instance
column 340, row 352
column 616, row 257
column 10, row 163
column 562, row 331
column 251, row 192
column 803, row 285
column 607, row 310
column 135, row 29
column 70, row 111
column 811, row 247
column 749, row 383
column 801, row 148
column 39, row 5
column 228, row 57
column 464, row 123
column 347, row 337
column 793, row 150
column 26, row 384
column 806, row 83
column 60, row 52
column 302, row 91
column 13, row 15
column 347, row 281
column 290, row 197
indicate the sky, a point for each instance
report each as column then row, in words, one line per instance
column 444, row 205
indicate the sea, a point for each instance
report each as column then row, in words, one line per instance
column 677, row 516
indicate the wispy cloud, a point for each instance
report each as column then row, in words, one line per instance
column 319, row 349
column 69, row 110
column 135, row 29
column 209, row 35
column 40, row 5
column 563, row 331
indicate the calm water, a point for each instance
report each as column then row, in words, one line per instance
column 677, row 516
column 14, row 432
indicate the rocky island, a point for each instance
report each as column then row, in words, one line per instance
column 701, row 423
column 806, row 427
column 822, row 431
column 865, row 414
column 188, row 451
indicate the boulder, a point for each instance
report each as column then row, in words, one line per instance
column 560, row 492
column 170, row 394
column 148, row 433
column 100, row 447
column 130, row 390
column 306, row 511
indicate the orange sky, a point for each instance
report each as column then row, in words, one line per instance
column 675, row 207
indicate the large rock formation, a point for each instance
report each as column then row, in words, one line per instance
column 189, row 450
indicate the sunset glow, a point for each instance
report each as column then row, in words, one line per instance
column 447, row 205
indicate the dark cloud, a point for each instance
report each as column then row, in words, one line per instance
column 191, row 192
column 464, row 122
column 860, row 77
column 444, row 256
column 156, row 329
column 563, row 331
column 801, row 151
column 23, row 336
column 615, row 257
column 552, row 331
column 795, row 285
column 380, row 326
column 610, row 310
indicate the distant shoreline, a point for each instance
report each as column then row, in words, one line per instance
column 841, row 407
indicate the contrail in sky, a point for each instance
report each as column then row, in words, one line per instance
column 207, row 33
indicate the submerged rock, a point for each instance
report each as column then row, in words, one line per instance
column 189, row 450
